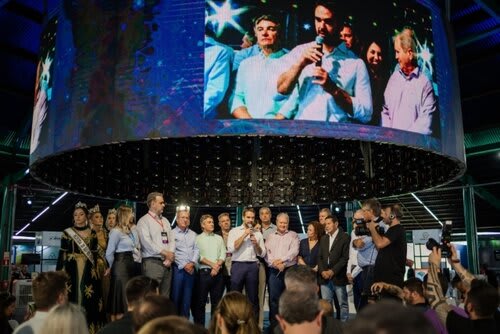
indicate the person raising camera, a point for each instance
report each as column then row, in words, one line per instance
column 391, row 259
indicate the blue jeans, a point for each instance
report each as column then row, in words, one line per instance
column 182, row 290
column 327, row 291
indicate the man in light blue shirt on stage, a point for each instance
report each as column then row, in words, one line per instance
column 186, row 257
column 255, row 94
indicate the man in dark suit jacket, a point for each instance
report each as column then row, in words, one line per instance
column 332, row 264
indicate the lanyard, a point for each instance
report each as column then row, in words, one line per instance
column 156, row 220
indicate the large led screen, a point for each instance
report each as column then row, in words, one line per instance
column 130, row 70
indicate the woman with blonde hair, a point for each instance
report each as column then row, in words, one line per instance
column 234, row 315
column 123, row 240
column 66, row 319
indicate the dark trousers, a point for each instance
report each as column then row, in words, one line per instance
column 276, row 288
column 182, row 289
column 206, row 284
column 246, row 274
column 367, row 277
column 357, row 289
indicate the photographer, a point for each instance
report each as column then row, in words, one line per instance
column 391, row 259
column 481, row 299
column 367, row 252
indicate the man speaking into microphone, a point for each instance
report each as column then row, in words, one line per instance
column 333, row 83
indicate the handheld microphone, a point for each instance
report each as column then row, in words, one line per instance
column 319, row 43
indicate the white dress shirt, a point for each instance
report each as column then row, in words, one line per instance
column 246, row 252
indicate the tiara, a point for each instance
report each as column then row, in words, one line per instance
column 80, row 205
column 94, row 209
column 111, row 212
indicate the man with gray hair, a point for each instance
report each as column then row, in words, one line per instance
column 410, row 103
column 282, row 249
column 299, row 312
column 157, row 243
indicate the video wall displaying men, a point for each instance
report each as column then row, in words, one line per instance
column 347, row 62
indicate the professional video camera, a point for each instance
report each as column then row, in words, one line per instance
column 360, row 227
column 445, row 240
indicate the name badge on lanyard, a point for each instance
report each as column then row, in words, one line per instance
column 164, row 238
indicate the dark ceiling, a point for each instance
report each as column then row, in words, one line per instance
column 475, row 27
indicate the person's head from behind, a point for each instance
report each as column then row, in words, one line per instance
column 171, row 324
column 301, row 278
column 65, row 319
column 481, row 301
column 234, row 314
column 139, row 287
column 49, row 289
column 389, row 317
column 152, row 307
column 7, row 305
column 300, row 308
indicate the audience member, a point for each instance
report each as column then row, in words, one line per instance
column 7, row 307
column 151, row 307
column 481, row 299
column 49, row 290
column 66, row 319
column 389, row 317
column 234, row 315
column 136, row 289
column 299, row 312
column 171, row 324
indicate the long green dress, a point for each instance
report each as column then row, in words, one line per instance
column 84, row 286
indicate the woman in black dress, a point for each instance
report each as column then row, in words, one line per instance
column 309, row 247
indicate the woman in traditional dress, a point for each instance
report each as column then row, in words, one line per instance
column 123, row 240
column 97, row 225
column 78, row 257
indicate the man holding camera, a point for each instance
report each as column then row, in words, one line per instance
column 481, row 299
column 390, row 263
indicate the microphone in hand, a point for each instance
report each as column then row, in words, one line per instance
column 319, row 43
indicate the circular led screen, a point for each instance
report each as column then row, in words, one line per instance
column 197, row 98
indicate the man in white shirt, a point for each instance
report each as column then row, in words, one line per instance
column 49, row 290
column 245, row 244
column 157, row 243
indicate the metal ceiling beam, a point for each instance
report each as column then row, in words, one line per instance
column 481, row 192
column 471, row 39
column 490, row 7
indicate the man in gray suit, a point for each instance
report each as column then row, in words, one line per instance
column 332, row 264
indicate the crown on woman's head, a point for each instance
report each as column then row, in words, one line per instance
column 111, row 212
column 94, row 209
column 80, row 205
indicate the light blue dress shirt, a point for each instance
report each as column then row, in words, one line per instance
column 256, row 86
column 243, row 54
column 347, row 71
column 186, row 249
column 119, row 242
column 217, row 72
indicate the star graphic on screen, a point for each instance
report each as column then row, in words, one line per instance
column 225, row 15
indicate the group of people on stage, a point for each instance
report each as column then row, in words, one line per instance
column 330, row 79
column 183, row 269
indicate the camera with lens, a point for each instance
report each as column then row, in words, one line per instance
column 445, row 240
column 360, row 227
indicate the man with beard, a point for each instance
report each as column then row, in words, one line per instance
column 333, row 83
column 391, row 258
